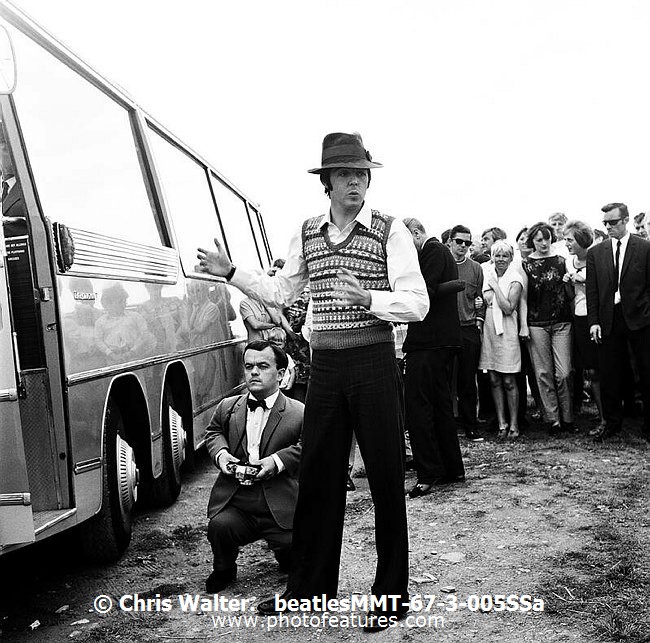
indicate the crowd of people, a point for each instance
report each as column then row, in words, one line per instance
column 548, row 300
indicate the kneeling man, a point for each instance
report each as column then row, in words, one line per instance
column 261, row 427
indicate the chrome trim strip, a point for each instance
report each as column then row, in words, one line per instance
column 13, row 499
column 103, row 256
column 87, row 465
column 208, row 405
column 9, row 395
column 51, row 523
column 87, row 376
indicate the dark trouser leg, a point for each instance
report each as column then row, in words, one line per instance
column 444, row 427
column 227, row 531
column 640, row 341
column 418, row 393
column 466, row 384
column 611, row 354
column 375, row 402
column 318, row 521
column 354, row 387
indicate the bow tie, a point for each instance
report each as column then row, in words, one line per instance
column 255, row 404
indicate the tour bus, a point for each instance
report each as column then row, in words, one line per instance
column 114, row 350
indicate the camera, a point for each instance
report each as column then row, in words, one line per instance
column 244, row 473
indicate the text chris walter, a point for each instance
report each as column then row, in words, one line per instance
column 184, row 602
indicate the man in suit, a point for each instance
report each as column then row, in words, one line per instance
column 430, row 347
column 260, row 427
column 618, row 310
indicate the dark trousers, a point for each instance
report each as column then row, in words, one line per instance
column 247, row 518
column 468, row 359
column 356, row 389
column 432, row 429
column 612, row 357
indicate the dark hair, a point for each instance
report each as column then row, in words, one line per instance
column 524, row 229
column 545, row 228
column 444, row 237
column 638, row 218
column 278, row 263
column 325, row 179
column 281, row 360
column 497, row 233
column 582, row 233
column 612, row 206
column 459, row 229
column 599, row 234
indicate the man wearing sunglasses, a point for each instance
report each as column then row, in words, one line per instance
column 618, row 310
column 471, row 312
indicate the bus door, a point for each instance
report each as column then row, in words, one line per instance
column 16, row 520
column 34, row 327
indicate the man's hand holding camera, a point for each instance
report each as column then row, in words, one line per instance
column 269, row 468
column 224, row 462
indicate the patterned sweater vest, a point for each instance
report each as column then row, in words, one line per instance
column 364, row 254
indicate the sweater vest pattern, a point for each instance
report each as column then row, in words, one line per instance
column 363, row 253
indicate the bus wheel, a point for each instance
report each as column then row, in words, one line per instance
column 105, row 536
column 168, row 485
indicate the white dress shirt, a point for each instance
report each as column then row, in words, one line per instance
column 255, row 422
column 407, row 301
column 621, row 256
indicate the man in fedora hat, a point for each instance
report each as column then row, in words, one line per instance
column 363, row 273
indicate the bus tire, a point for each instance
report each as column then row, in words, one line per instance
column 167, row 486
column 107, row 534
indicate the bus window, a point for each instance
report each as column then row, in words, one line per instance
column 259, row 234
column 188, row 198
column 82, row 150
column 234, row 217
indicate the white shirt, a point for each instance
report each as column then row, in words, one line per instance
column 621, row 256
column 255, row 422
column 407, row 301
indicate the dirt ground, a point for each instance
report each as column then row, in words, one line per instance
column 560, row 519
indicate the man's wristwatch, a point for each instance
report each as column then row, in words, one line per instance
column 231, row 273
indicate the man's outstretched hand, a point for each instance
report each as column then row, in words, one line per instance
column 214, row 262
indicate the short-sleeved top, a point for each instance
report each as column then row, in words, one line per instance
column 548, row 302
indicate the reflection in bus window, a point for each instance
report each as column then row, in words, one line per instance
column 82, row 150
column 188, row 198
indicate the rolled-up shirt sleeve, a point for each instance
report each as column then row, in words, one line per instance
column 287, row 284
column 407, row 300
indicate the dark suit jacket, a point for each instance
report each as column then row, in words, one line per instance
column 281, row 435
column 441, row 326
column 13, row 213
column 634, row 286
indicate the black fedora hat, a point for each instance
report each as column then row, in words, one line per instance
column 344, row 150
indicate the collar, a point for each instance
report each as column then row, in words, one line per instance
column 270, row 400
column 364, row 217
column 624, row 239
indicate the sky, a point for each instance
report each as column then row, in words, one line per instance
column 483, row 113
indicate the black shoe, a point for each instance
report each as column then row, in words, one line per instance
column 473, row 436
column 219, row 580
column 267, row 606
column 606, row 432
column 349, row 485
column 378, row 620
column 569, row 427
column 420, row 489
